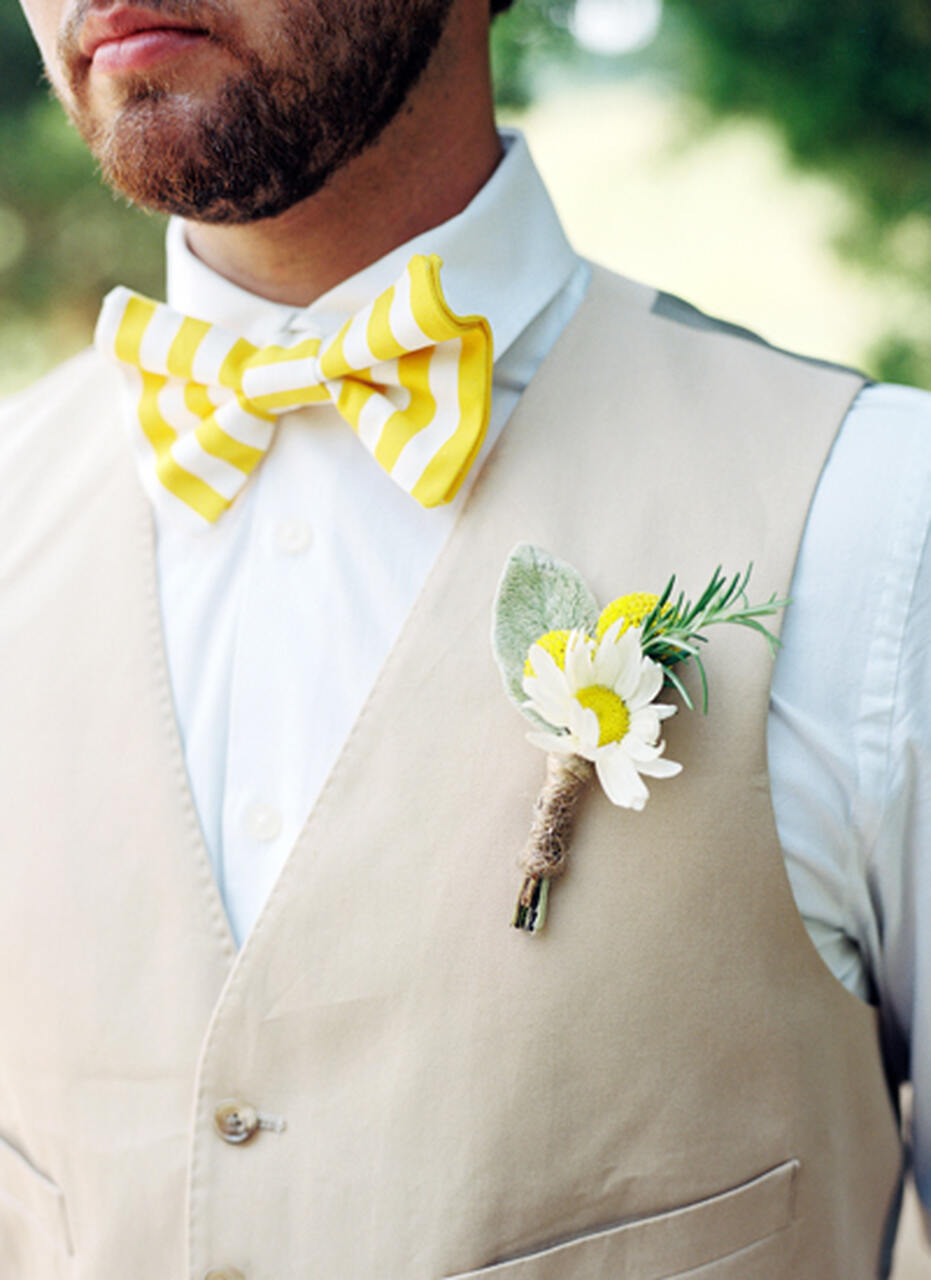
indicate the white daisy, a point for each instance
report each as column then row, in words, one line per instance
column 600, row 698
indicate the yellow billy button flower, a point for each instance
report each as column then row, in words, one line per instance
column 554, row 642
column 633, row 608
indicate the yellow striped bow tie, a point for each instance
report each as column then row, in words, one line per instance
column 412, row 379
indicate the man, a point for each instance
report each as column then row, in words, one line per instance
column 248, row 1042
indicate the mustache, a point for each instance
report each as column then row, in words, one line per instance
column 207, row 15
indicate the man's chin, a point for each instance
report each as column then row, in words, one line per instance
column 193, row 168
column 151, row 151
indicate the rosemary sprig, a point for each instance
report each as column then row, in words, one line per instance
column 672, row 631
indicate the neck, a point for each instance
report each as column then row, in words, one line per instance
column 423, row 169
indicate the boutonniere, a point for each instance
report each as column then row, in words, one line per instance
column 588, row 679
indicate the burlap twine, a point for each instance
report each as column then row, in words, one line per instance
column 545, row 854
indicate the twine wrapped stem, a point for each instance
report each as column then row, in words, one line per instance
column 545, row 854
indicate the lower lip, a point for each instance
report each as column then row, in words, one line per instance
column 144, row 49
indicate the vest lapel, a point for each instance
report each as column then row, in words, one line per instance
column 94, row 708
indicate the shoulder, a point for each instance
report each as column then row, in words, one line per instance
column 864, row 541
column 83, row 391
column 60, row 439
column 83, row 379
column 855, row 637
column 696, row 351
column 894, row 418
column 668, row 309
column 876, row 496
column 875, row 493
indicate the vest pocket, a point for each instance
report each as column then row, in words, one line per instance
column 695, row 1239
column 32, row 1215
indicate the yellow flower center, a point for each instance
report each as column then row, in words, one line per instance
column 635, row 607
column 610, row 710
column 554, row 642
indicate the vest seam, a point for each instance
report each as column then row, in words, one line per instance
column 170, row 729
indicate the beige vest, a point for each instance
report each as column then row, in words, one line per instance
column 666, row 1082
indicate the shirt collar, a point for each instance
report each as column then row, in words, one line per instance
column 505, row 256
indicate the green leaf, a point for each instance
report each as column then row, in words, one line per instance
column 537, row 593
column 680, row 688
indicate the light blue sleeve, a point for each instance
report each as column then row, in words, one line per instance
column 850, row 728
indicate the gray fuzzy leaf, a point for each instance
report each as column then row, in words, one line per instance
column 537, row 593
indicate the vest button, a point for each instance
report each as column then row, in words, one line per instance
column 224, row 1273
column 235, row 1121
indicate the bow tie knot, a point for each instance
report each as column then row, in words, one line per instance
column 410, row 377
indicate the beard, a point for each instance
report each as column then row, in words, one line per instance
column 322, row 89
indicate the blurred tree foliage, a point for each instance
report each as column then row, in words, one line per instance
column 64, row 240
column 524, row 41
column 847, row 87
column 845, row 84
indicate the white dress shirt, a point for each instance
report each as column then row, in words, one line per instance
column 278, row 617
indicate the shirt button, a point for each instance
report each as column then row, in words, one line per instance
column 263, row 822
column 235, row 1121
column 224, row 1273
column 293, row 536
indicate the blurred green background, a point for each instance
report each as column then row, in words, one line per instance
column 767, row 159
